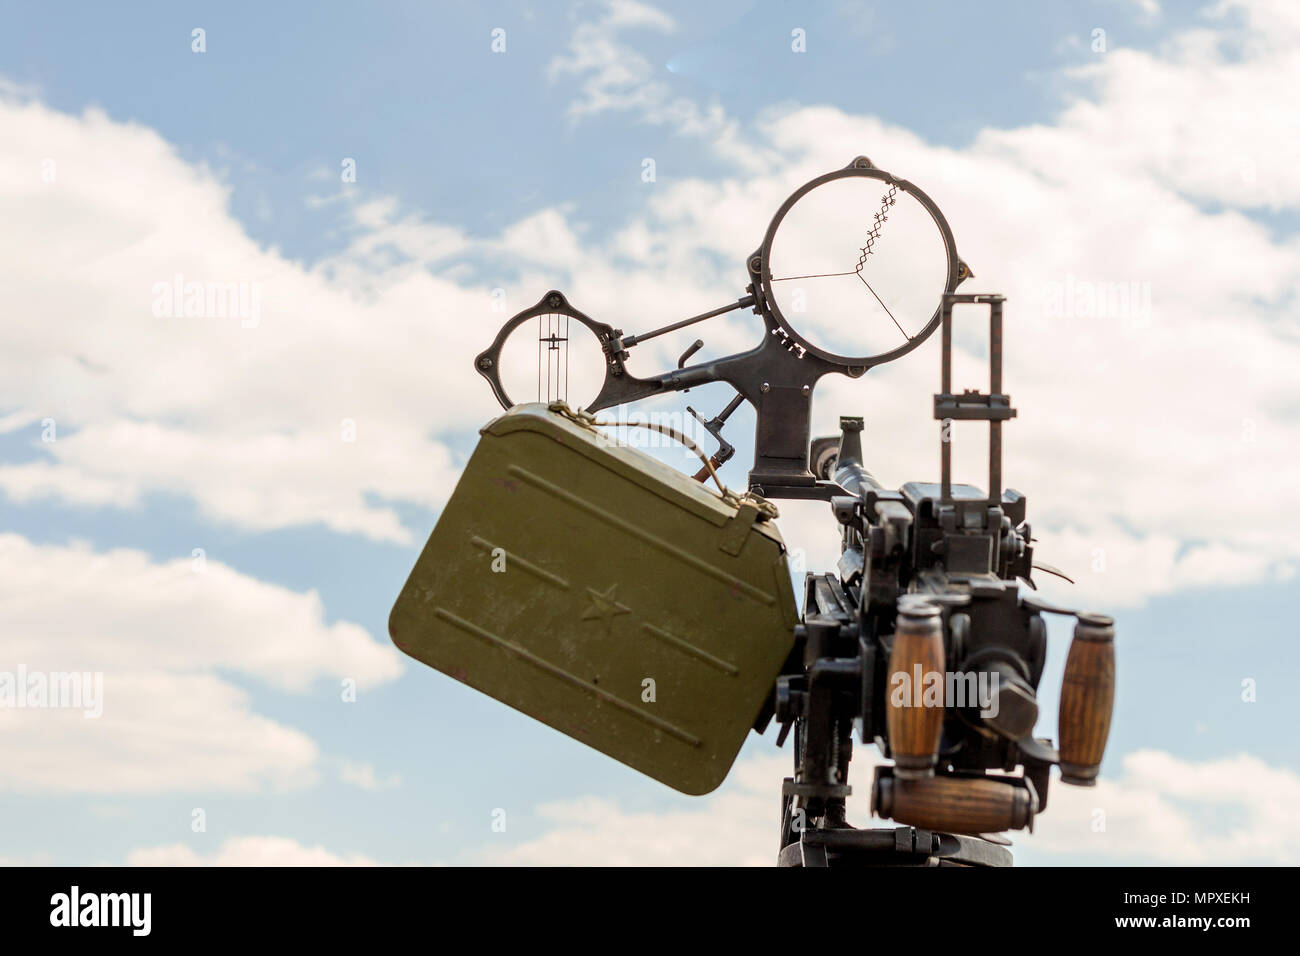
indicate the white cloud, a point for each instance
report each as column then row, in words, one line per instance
column 1161, row 809
column 1149, row 9
column 1153, row 446
column 613, row 76
column 1127, row 422
column 246, row 851
column 736, row 826
column 323, row 412
column 260, row 481
column 1164, row 809
column 34, row 859
column 165, row 636
column 69, row 607
column 365, row 776
column 159, row 733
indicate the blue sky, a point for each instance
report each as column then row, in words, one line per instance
column 522, row 171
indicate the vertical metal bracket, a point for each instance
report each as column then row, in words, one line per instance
column 971, row 405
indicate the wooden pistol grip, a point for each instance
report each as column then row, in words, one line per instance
column 913, row 721
column 1087, row 700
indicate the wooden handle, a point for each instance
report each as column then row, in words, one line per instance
column 913, row 717
column 954, row 804
column 703, row 473
column 1087, row 699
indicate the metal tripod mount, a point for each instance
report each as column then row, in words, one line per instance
column 964, row 553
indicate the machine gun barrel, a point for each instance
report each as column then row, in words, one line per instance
column 850, row 473
column 852, row 476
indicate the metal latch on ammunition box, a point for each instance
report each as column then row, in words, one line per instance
column 737, row 529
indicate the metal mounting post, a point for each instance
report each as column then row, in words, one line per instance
column 993, row 407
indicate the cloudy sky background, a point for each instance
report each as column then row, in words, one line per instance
column 202, row 530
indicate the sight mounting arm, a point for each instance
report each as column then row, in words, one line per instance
column 777, row 376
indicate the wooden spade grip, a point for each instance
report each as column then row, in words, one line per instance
column 1087, row 699
column 914, row 727
column 954, row 804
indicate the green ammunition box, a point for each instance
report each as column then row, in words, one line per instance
column 605, row 594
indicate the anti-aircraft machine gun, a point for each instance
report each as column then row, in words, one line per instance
column 618, row 600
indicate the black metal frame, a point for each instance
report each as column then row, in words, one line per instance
column 993, row 407
column 777, row 377
column 890, row 846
